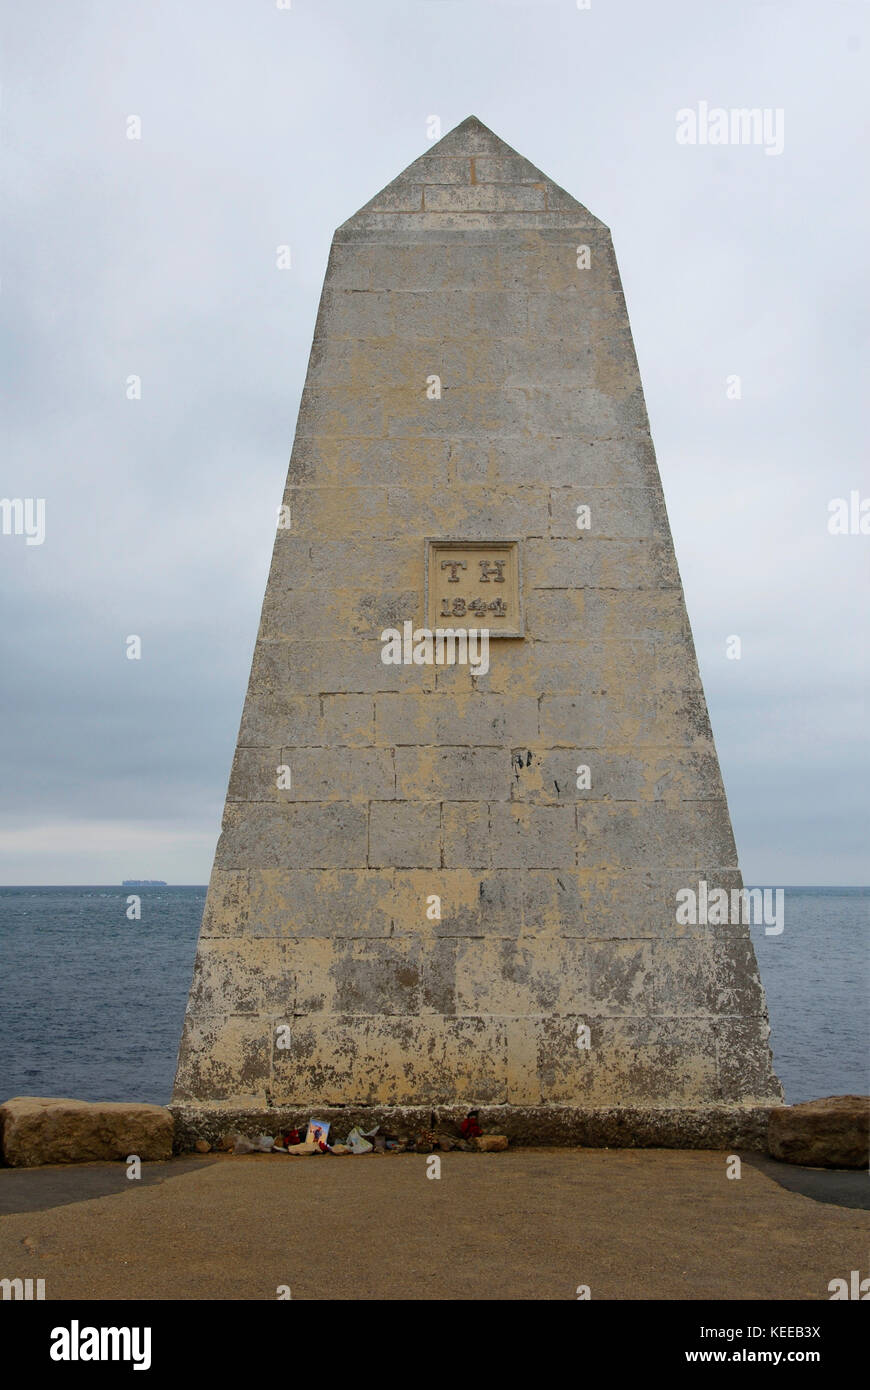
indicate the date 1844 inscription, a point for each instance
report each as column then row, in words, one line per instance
column 474, row 584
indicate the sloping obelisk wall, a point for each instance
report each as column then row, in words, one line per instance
column 434, row 905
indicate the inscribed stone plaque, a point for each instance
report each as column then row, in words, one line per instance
column 474, row 584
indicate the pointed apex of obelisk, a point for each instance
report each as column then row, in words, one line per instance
column 471, row 178
column 472, row 137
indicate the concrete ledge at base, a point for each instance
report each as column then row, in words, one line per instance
column 37, row 1129
column 707, row 1127
column 830, row 1133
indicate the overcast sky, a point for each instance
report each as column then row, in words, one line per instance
column 156, row 257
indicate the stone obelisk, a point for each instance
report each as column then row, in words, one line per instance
column 439, row 884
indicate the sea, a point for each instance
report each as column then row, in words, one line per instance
column 92, row 1004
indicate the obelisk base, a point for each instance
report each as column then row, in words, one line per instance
column 698, row 1127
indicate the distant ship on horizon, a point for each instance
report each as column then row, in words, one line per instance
column 144, row 883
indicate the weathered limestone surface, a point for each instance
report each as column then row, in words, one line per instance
column 39, row 1129
column 321, row 975
column 829, row 1133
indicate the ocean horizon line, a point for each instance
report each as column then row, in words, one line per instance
column 748, row 883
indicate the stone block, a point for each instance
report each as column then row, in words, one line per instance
column 612, row 903
column 35, row 1130
column 550, row 775
column 490, row 1143
column 405, row 834
column 272, row 720
column 506, row 168
column 441, row 720
column 620, row 978
column 744, row 1062
column 354, row 666
column 341, row 564
column 487, row 902
column 226, row 909
column 654, row 834
column 629, row 1061
column 435, row 168
column 262, row 835
column 423, row 1060
column 453, row 774
column 643, row 720
column 347, row 721
column 399, row 197
column 243, row 976
column 329, row 903
column 485, row 198
column 523, row 976
column 624, row 513
column 829, row 1133
column 466, row 839
column 534, row 837
column 338, row 774
column 330, row 462
column 383, row 977
column 224, row 1058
